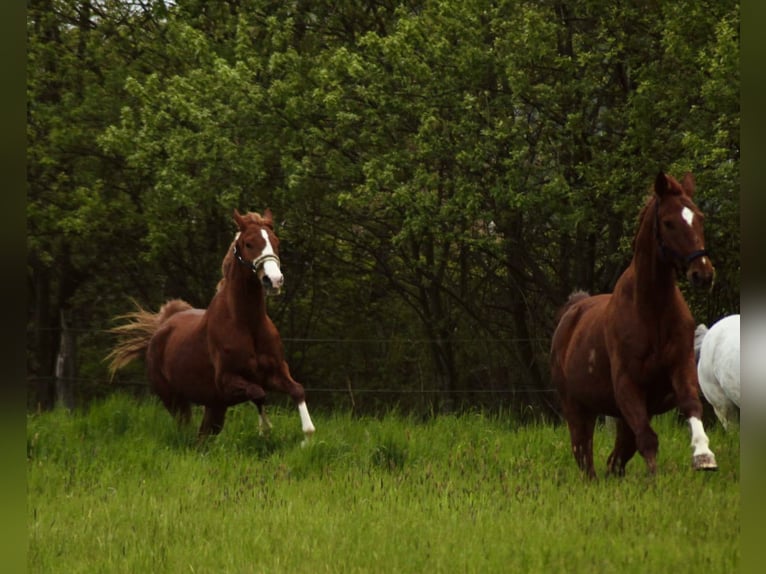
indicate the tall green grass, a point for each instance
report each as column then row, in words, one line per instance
column 122, row 489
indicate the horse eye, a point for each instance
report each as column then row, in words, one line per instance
column 249, row 245
column 668, row 224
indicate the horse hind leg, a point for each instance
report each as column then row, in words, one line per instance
column 624, row 449
column 581, row 425
column 727, row 413
column 179, row 408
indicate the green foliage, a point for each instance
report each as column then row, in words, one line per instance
column 444, row 171
column 119, row 489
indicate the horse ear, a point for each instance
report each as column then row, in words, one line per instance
column 268, row 218
column 688, row 184
column 239, row 220
column 661, row 184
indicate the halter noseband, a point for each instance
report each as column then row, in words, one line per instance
column 256, row 263
column 664, row 249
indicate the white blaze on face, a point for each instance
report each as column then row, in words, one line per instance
column 688, row 215
column 270, row 267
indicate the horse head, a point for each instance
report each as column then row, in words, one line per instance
column 678, row 228
column 257, row 247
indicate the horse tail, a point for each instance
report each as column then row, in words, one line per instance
column 574, row 297
column 135, row 334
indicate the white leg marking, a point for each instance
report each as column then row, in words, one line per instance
column 308, row 426
column 688, row 215
column 699, row 438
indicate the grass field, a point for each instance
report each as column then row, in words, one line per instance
column 121, row 489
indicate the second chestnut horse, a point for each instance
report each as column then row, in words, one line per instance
column 630, row 354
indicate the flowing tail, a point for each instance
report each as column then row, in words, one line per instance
column 135, row 334
column 574, row 297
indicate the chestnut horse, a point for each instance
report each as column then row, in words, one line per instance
column 229, row 353
column 630, row 354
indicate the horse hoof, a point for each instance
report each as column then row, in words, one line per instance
column 306, row 440
column 704, row 462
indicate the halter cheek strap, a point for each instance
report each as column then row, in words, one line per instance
column 695, row 255
column 256, row 263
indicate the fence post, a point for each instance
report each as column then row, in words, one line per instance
column 65, row 366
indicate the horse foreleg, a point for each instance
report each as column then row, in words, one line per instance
column 632, row 404
column 306, row 424
column 236, row 388
column 702, row 457
column 624, row 449
column 264, row 424
column 685, row 384
column 212, row 422
column 284, row 381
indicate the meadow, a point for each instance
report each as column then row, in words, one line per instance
column 120, row 488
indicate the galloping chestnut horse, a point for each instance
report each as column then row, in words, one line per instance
column 228, row 354
column 630, row 354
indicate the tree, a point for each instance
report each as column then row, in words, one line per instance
column 443, row 173
column 79, row 200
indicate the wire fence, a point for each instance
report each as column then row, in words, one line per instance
column 344, row 340
column 372, row 372
column 310, row 389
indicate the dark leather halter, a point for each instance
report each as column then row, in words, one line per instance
column 256, row 263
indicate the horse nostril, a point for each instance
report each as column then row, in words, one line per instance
column 700, row 279
column 696, row 277
column 266, row 281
